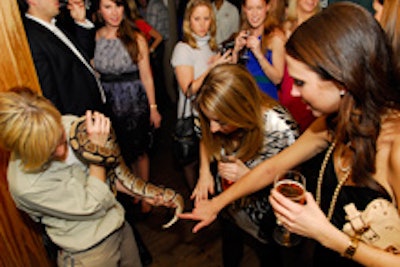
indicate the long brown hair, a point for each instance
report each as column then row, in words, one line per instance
column 231, row 94
column 346, row 45
column 127, row 31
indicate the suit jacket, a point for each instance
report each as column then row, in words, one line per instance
column 63, row 77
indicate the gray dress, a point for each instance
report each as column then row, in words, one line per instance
column 126, row 97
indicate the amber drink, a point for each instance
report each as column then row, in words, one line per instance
column 291, row 184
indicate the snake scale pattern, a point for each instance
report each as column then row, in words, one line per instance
column 110, row 156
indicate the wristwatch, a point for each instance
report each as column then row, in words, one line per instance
column 351, row 249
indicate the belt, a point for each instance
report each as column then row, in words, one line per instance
column 123, row 77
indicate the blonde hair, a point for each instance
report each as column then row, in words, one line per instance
column 31, row 127
column 390, row 22
column 187, row 31
column 291, row 11
column 231, row 94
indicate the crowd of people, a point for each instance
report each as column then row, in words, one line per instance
column 276, row 85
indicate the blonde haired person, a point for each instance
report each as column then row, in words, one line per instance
column 72, row 200
column 387, row 12
column 240, row 127
column 193, row 58
column 299, row 11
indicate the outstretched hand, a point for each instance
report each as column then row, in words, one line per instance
column 204, row 211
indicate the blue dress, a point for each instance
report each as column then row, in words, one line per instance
column 263, row 82
column 126, row 97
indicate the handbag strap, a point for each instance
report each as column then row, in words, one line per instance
column 188, row 95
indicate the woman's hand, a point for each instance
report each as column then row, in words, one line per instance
column 155, row 118
column 306, row 220
column 220, row 59
column 254, row 44
column 204, row 211
column 240, row 41
column 232, row 170
column 97, row 127
column 204, row 186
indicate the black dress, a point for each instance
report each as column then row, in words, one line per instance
column 360, row 196
column 126, row 97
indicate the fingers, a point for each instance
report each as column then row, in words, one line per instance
column 187, row 216
column 199, row 195
column 98, row 122
column 98, row 127
column 199, row 226
column 155, row 119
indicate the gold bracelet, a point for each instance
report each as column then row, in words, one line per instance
column 153, row 105
column 351, row 249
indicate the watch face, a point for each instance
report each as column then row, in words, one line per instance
column 351, row 249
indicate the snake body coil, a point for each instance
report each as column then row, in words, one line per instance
column 110, row 156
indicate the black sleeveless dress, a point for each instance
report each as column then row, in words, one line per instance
column 317, row 255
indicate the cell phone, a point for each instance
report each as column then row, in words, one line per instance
column 225, row 46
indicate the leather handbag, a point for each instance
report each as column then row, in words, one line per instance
column 378, row 224
column 185, row 139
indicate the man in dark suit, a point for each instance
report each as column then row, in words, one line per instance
column 62, row 59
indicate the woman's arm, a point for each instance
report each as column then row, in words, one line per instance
column 308, row 220
column 205, row 183
column 185, row 73
column 147, row 79
column 157, row 39
column 240, row 42
column 275, row 70
column 394, row 167
column 313, row 141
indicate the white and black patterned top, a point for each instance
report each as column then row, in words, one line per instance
column 250, row 212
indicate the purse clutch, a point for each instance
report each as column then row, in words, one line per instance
column 185, row 139
column 378, row 224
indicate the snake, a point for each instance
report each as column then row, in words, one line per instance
column 110, row 156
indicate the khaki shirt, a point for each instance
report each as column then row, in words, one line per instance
column 77, row 210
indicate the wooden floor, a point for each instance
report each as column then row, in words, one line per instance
column 178, row 246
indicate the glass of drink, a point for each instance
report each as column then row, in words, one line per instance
column 225, row 158
column 292, row 185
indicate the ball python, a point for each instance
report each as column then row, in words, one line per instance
column 110, row 156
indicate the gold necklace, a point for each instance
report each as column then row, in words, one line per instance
column 321, row 178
